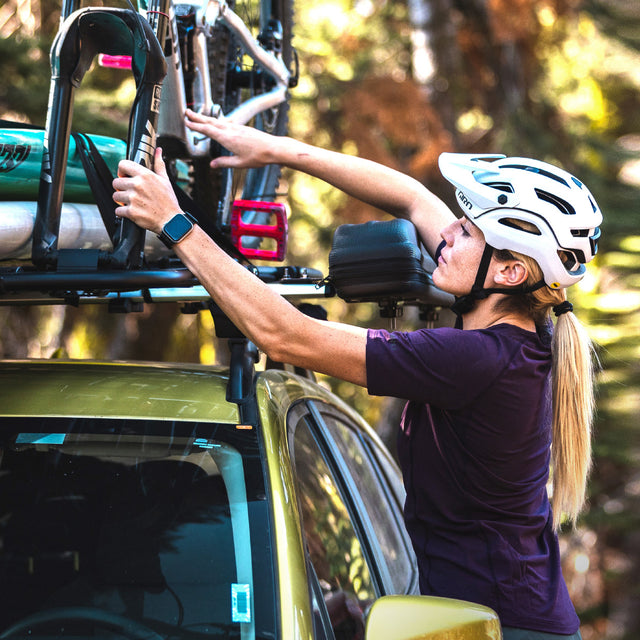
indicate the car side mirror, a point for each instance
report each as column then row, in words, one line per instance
column 413, row 617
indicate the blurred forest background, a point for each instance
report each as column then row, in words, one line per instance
column 400, row 82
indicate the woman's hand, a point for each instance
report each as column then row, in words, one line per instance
column 145, row 196
column 250, row 148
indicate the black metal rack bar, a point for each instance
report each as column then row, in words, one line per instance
column 138, row 286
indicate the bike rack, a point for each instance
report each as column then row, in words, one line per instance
column 84, row 34
column 119, row 277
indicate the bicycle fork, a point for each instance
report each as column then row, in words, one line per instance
column 83, row 34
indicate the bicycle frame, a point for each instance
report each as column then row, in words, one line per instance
column 171, row 123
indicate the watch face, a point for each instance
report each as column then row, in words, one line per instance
column 177, row 228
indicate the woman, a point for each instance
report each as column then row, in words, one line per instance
column 474, row 443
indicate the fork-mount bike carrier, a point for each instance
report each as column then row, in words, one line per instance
column 84, row 34
column 123, row 277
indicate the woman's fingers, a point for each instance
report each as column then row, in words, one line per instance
column 120, row 197
column 203, row 124
column 159, row 167
column 144, row 196
column 129, row 168
column 228, row 162
column 248, row 146
column 194, row 116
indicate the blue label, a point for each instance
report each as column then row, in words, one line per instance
column 40, row 438
column 203, row 443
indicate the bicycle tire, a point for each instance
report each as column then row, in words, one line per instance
column 225, row 56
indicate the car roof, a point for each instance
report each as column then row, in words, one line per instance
column 115, row 390
column 154, row 390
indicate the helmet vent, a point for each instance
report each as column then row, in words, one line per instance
column 561, row 204
column 569, row 259
column 538, row 170
column 592, row 234
column 501, row 186
column 521, row 225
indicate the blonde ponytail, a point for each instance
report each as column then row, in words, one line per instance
column 572, row 375
column 572, row 383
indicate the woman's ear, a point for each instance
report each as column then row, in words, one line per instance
column 510, row 273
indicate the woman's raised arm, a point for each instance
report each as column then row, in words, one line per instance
column 368, row 181
column 267, row 319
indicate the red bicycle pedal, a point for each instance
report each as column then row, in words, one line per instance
column 243, row 228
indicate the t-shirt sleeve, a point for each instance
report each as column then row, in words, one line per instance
column 444, row 367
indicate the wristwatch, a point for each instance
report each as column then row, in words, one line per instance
column 178, row 228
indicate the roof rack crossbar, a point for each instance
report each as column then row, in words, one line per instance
column 168, row 285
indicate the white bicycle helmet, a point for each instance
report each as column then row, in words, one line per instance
column 497, row 192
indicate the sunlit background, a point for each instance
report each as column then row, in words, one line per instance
column 400, row 82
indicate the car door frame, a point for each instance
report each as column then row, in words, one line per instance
column 311, row 410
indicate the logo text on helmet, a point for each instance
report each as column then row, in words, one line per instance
column 464, row 200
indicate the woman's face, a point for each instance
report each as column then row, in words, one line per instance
column 460, row 257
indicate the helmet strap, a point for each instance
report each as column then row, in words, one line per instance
column 464, row 304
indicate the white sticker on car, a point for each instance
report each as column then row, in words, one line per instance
column 240, row 602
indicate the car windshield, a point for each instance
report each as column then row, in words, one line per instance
column 133, row 528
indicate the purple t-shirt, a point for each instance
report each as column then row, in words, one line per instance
column 474, row 448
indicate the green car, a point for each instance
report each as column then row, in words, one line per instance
column 199, row 503
column 138, row 502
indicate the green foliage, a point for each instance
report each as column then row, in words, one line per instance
column 618, row 20
column 102, row 109
column 101, row 104
column 555, row 81
column 588, row 95
column 25, row 79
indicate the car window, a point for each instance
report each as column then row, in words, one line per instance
column 143, row 522
column 322, row 629
column 333, row 546
column 379, row 499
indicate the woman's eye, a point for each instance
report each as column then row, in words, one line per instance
column 464, row 231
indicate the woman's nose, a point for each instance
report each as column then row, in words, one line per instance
column 447, row 234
